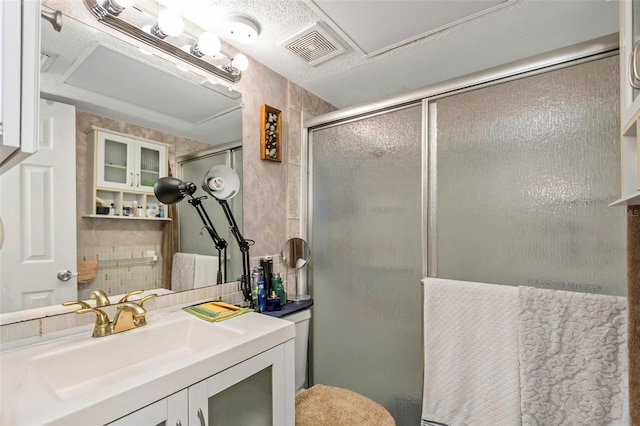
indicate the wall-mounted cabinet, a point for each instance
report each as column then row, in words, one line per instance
column 630, row 101
column 19, row 80
column 122, row 171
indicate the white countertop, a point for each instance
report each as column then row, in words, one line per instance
column 26, row 398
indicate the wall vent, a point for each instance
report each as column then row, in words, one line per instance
column 314, row 45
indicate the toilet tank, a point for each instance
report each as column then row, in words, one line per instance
column 301, row 319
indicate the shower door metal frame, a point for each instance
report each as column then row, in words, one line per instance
column 583, row 52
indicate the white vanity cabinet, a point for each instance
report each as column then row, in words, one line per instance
column 630, row 101
column 172, row 410
column 122, row 170
column 176, row 370
column 252, row 392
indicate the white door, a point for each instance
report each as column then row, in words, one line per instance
column 38, row 209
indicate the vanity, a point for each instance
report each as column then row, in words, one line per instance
column 176, row 370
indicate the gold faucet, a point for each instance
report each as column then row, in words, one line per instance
column 129, row 315
column 100, row 297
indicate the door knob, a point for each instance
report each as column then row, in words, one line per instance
column 66, row 275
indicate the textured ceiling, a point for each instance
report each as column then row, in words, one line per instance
column 518, row 29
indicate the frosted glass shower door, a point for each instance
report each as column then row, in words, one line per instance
column 521, row 175
column 366, row 265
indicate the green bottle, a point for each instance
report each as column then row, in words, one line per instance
column 276, row 285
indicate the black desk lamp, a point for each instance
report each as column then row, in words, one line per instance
column 170, row 190
column 223, row 183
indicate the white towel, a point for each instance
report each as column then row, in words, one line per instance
column 573, row 358
column 183, row 271
column 471, row 354
column 206, row 271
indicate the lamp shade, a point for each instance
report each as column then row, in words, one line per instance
column 221, row 182
column 170, row 190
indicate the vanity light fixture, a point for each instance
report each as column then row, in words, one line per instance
column 166, row 33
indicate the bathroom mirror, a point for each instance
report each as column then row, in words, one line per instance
column 85, row 67
column 296, row 253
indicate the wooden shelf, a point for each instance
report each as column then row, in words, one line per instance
column 629, row 200
column 106, row 216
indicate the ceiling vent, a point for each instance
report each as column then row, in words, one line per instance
column 314, row 45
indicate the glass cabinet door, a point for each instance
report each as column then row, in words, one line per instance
column 248, row 402
column 129, row 164
column 257, row 392
column 115, row 164
column 151, row 165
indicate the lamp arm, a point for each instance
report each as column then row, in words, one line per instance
column 244, row 248
column 244, row 244
column 219, row 242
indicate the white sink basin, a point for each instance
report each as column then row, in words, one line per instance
column 74, row 371
column 75, row 378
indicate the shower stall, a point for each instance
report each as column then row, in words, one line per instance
column 502, row 177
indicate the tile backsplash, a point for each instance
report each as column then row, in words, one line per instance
column 120, row 275
column 122, row 269
column 230, row 293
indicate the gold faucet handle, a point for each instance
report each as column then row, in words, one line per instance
column 126, row 297
column 102, row 326
column 83, row 305
column 144, row 299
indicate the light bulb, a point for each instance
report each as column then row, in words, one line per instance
column 170, row 22
column 240, row 62
column 209, row 43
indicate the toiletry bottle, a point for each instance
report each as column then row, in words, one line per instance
column 255, row 277
column 262, row 297
column 134, row 208
column 267, row 267
column 112, row 210
column 273, row 302
column 278, row 288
